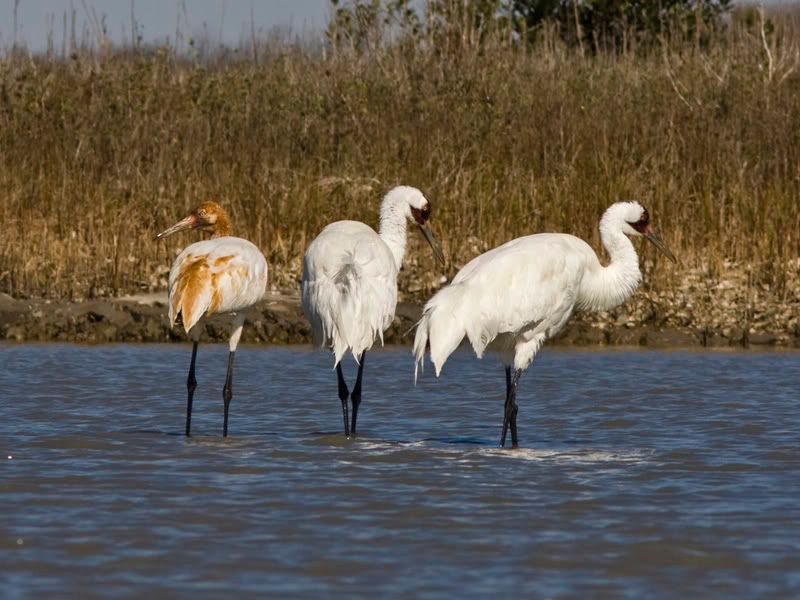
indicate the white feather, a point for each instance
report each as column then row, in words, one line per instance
column 349, row 289
column 216, row 276
column 516, row 296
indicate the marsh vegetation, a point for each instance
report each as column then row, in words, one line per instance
column 507, row 134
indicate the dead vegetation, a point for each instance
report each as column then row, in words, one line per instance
column 101, row 148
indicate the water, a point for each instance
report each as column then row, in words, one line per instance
column 643, row 473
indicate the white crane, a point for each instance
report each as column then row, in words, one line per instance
column 224, row 275
column 349, row 289
column 516, row 296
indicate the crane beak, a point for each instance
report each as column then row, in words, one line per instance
column 431, row 239
column 658, row 243
column 189, row 222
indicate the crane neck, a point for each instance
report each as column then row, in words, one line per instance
column 393, row 226
column 222, row 227
column 610, row 286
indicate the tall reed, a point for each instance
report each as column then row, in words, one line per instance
column 103, row 148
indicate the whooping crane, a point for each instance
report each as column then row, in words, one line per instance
column 349, row 289
column 223, row 275
column 516, row 296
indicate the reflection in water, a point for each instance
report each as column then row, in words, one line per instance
column 641, row 473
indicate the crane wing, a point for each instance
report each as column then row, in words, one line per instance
column 215, row 276
column 529, row 284
column 349, row 289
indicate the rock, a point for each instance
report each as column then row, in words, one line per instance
column 714, row 340
column 12, row 305
column 580, row 334
column 279, row 319
column 15, row 333
column 624, row 336
column 11, row 311
column 763, row 339
column 408, row 311
column 671, row 339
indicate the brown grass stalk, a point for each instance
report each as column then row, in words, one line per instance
column 100, row 149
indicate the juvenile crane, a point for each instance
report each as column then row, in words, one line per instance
column 221, row 276
column 518, row 295
column 349, row 289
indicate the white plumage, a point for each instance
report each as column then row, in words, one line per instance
column 349, row 289
column 516, row 296
column 216, row 276
column 221, row 276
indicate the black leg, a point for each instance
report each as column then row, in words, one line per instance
column 227, row 393
column 356, row 397
column 514, row 409
column 344, row 393
column 505, row 408
column 510, row 409
column 191, row 386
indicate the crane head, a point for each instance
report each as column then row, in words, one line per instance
column 636, row 222
column 420, row 208
column 421, row 218
column 209, row 216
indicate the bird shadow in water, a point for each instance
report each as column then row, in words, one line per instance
column 460, row 441
column 148, row 432
column 338, row 438
column 197, row 436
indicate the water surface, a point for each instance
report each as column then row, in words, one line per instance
column 642, row 473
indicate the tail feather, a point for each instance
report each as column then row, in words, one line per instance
column 344, row 311
column 348, row 303
column 190, row 293
column 441, row 328
column 421, row 344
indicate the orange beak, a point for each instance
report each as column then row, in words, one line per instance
column 190, row 222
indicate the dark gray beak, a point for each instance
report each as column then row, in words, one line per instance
column 658, row 243
column 435, row 246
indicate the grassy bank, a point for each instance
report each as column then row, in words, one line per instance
column 100, row 150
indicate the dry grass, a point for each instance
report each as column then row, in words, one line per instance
column 101, row 150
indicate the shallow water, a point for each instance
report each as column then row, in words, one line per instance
column 642, row 474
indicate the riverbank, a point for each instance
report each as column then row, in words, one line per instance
column 278, row 319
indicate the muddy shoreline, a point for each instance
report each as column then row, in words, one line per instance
column 278, row 319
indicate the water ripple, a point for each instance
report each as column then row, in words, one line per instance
column 640, row 474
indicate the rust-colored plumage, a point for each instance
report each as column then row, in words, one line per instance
column 223, row 275
column 220, row 275
column 204, row 285
column 192, row 280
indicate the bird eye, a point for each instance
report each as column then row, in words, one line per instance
column 201, row 213
column 421, row 214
